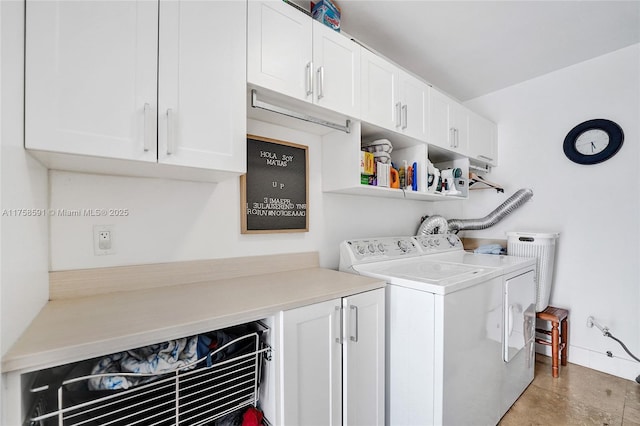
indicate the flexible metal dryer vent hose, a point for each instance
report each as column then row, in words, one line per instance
column 435, row 223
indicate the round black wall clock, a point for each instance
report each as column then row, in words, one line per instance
column 593, row 141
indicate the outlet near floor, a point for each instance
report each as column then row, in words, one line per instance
column 103, row 240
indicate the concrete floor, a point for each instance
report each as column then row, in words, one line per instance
column 580, row 396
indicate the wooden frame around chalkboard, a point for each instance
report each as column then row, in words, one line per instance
column 254, row 192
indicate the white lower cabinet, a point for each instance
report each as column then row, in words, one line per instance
column 332, row 362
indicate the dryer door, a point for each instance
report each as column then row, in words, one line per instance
column 519, row 314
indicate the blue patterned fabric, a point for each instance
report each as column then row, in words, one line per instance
column 153, row 359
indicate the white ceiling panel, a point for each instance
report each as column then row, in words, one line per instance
column 470, row 48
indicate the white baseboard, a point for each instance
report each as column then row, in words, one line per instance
column 625, row 368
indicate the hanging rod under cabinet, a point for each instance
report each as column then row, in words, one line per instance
column 255, row 103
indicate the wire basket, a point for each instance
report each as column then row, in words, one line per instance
column 193, row 395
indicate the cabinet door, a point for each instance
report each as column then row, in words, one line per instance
column 202, row 86
column 279, row 49
column 460, row 125
column 90, row 78
column 440, row 120
column 312, row 365
column 337, row 66
column 448, row 123
column 379, row 83
column 363, row 365
column 414, row 95
column 483, row 140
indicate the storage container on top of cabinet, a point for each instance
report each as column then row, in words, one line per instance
column 137, row 87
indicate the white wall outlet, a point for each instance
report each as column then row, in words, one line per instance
column 103, row 240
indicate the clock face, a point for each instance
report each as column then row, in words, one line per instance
column 592, row 142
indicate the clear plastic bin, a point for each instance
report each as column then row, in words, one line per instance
column 542, row 246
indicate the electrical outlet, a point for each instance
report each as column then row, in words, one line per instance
column 103, row 240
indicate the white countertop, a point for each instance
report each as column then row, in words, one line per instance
column 74, row 329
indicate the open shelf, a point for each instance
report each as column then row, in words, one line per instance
column 341, row 163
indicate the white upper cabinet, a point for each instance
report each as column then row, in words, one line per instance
column 91, row 78
column 460, row 128
column 448, row 123
column 157, row 82
column 279, row 49
column 294, row 55
column 380, row 98
column 483, row 140
column 392, row 98
column 414, row 96
column 201, row 101
column 336, row 60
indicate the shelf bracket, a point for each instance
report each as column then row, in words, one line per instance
column 255, row 103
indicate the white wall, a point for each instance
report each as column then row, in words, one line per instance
column 595, row 208
column 24, row 262
column 174, row 220
column 171, row 220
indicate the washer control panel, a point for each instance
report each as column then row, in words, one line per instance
column 353, row 252
column 438, row 243
column 379, row 248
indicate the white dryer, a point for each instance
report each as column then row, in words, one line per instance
column 460, row 327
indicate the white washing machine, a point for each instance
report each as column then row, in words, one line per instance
column 460, row 327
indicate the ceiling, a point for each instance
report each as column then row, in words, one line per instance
column 470, row 48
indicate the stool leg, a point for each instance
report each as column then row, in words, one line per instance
column 555, row 346
column 565, row 340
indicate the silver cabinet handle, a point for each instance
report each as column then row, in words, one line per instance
column 309, row 78
column 171, row 137
column 147, row 137
column 354, row 336
column 320, row 82
column 398, row 114
column 452, row 137
column 338, row 321
column 404, row 117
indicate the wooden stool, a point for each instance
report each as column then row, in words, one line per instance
column 558, row 318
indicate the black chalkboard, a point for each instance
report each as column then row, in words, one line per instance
column 274, row 191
